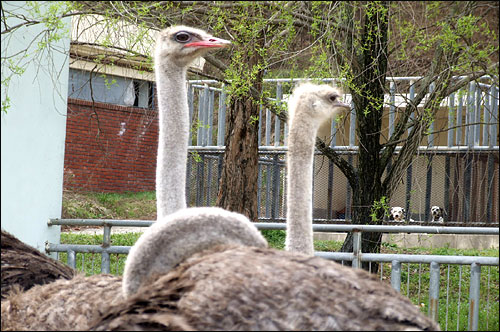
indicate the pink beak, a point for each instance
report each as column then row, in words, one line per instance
column 210, row 42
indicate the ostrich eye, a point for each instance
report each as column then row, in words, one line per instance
column 182, row 37
column 333, row 97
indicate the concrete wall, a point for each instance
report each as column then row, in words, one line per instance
column 458, row 241
column 33, row 133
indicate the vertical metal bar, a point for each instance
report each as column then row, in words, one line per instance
column 71, row 258
column 352, row 126
column 106, row 242
column 268, row 127
column 486, row 117
column 488, row 299
column 419, row 281
column 200, row 179
column 206, row 109
column 268, row 189
column 409, row 170
column 493, row 116
column 447, row 168
column 451, row 120
column 408, row 282
column 276, row 187
column 458, row 138
column 447, row 296
column 190, row 93
column 477, row 116
column 277, row 121
column 259, row 134
column 467, row 186
column 396, row 275
column 381, row 270
column 220, row 163
column 434, row 291
column 259, row 187
column 459, row 294
column 430, row 139
column 356, row 248
column 221, row 121
column 428, row 188
column 491, row 184
column 210, row 122
column 348, row 194
column 469, row 134
column 330, row 191
column 392, row 108
column 199, row 124
column 188, row 178
column 475, row 279
column 209, row 180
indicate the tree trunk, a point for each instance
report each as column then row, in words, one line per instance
column 238, row 182
column 368, row 99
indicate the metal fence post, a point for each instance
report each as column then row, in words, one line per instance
column 434, row 291
column 71, row 258
column 106, row 242
column 475, row 279
column 356, row 248
column 396, row 275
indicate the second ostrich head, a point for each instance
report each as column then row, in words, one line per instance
column 315, row 103
column 308, row 107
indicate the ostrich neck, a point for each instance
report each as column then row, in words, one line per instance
column 301, row 139
column 172, row 139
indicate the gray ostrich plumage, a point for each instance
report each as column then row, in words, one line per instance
column 24, row 267
column 309, row 106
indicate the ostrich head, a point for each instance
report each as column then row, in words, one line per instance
column 182, row 45
column 320, row 102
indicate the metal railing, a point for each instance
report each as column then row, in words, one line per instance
column 356, row 257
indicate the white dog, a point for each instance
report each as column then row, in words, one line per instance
column 397, row 214
column 437, row 214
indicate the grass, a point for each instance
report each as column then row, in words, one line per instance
column 454, row 280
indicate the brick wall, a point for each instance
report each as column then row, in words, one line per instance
column 110, row 148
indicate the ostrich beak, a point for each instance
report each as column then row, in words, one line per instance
column 211, row 42
column 340, row 104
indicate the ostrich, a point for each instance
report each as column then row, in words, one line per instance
column 24, row 266
column 73, row 304
column 80, row 299
column 176, row 48
column 231, row 286
column 308, row 107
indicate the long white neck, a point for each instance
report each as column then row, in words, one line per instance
column 172, row 139
column 301, row 141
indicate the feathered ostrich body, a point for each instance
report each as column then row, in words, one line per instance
column 24, row 267
column 309, row 106
column 235, row 286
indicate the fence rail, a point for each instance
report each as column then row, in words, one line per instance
column 356, row 257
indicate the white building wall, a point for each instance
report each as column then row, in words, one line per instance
column 33, row 134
